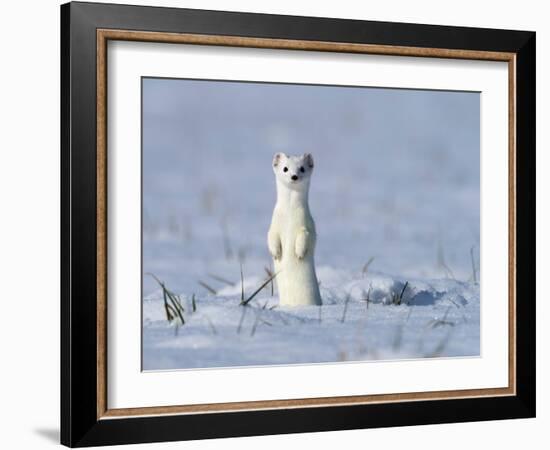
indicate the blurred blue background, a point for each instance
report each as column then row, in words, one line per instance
column 396, row 178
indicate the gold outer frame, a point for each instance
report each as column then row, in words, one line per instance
column 104, row 35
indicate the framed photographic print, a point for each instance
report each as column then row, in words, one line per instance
column 277, row 224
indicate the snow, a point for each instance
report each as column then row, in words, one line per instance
column 396, row 183
column 436, row 318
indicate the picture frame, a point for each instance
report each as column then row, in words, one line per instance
column 86, row 418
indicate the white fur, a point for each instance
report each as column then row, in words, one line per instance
column 291, row 237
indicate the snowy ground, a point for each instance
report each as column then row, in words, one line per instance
column 436, row 318
column 396, row 184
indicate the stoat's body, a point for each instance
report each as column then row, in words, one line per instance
column 291, row 237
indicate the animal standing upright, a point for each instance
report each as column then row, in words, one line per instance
column 291, row 238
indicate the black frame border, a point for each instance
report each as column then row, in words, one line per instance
column 79, row 423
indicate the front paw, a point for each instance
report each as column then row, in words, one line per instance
column 301, row 252
column 276, row 251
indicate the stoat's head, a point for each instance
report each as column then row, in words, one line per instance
column 293, row 171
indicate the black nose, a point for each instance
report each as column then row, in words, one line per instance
column 294, row 177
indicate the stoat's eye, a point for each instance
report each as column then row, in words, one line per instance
column 302, row 169
column 285, row 169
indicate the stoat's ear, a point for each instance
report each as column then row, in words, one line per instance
column 277, row 158
column 308, row 158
